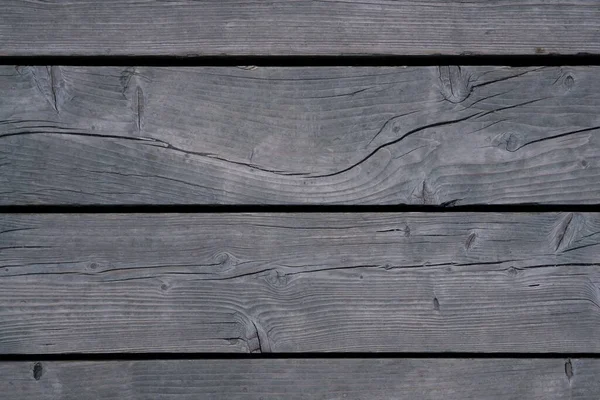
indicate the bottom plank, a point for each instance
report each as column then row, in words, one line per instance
column 304, row 379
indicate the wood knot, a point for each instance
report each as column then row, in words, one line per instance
column 436, row 304
column 455, row 84
column 565, row 81
column 226, row 260
column 132, row 81
column 510, row 141
column 566, row 231
column 260, row 335
column 125, row 78
column 569, row 82
column 38, row 371
column 129, row 74
column 470, row 241
column 569, row 370
column 423, row 194
column 49, row 83
column 277, row 278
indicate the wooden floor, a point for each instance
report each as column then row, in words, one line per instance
column 300, row 199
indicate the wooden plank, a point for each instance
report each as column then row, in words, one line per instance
column 415, row 282
column 424, row 135
column 301, row 27
column 375, row 379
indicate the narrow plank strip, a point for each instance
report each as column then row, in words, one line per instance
column 349, row 379
column 425, row 135
column 289, row 282
column 301, row 27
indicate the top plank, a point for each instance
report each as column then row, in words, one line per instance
column 299, row 27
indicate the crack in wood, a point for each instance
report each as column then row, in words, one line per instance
column 506, row 78
column 511, row 107
column 574, row 132
column 380, row 147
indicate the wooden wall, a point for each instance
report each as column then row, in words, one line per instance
column 300, row 199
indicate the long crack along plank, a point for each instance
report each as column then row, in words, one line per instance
column 348, row 379
column 396, row 282
column 301, row 27
column 444, row 135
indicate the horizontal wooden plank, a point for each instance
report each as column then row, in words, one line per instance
column 424, row 135
column 289, row 282
column 376, row 379
column 300, row 27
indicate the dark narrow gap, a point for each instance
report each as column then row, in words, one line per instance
column 258, row 208
column 308, row 61
column 245, row 356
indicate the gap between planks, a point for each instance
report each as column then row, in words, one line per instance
column 555, row 60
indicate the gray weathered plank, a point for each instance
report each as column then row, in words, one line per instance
column 299, row 282
column 300, row 27
column 424, row 135
column 348, row 379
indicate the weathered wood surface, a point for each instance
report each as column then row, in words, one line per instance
column 423, row 135
column 301, row 27
column 348, row 379
column 413, row 282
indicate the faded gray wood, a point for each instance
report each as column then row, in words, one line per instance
column 350, row 379
column 302, row 27
column 424, row 135
column 291, row 282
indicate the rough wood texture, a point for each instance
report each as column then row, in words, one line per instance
column 301, row 27
column 425, row 135
column 300, row 282
column 354, row 379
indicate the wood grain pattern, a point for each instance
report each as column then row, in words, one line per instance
column 349, row 379
column 300, row 27
column 423, row 135
column 298, row 282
